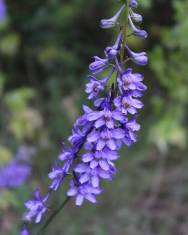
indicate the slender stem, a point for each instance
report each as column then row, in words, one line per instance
column 50, row 219
column 122, row 53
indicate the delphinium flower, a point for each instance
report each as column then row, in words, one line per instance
column 37, row 207
column 111, row 121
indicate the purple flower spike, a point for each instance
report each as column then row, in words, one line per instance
column 37, row 207
column 24, row 231
column 98, row 134
column 108, row 23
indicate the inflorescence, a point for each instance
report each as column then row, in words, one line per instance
column 97, row 136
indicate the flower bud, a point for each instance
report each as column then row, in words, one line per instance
column 137, row 32
column 108, row 23
column 140, row 58
column 133, row 3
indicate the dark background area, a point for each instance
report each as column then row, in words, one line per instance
column 45, row 49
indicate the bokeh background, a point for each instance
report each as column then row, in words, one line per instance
column 45, row 49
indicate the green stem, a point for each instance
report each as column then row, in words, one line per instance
column 50, row 219
column 122, row 53
column 113, row 80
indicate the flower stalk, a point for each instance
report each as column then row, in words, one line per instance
column 125, row 26
column 52, row 217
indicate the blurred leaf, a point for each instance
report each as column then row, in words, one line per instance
column 9, row 44
column 5, row 155
column 25, row 124
column 7, row 199
column 17, row 100
column 2, row 81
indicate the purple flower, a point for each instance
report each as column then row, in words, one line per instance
column 127, row 104
column 14, row 174
column 58, row 174
column 136, row 17
column 133, row 3
column 105, row 117
column 94, row 170
column 98, row 134
column 106, row 138
column 94, row 87
column 2, row 10
column 131, row 127
column 106, row 154
column 140, row 58
column 111, row 52
column 101, row 159
column 80, row 122
column 37, row 207
column 76, row 139
column 108, row 23
column 98, row 65
column 82, row 192
column 67, row 153
column 136, row 31
column 130, row 81
column 24, row 231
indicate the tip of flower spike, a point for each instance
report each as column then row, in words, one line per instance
column 133, row 3
column 109, row 23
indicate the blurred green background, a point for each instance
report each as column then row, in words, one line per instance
column 45, row 49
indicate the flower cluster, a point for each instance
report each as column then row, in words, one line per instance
column 98, row 134
column 15, row 172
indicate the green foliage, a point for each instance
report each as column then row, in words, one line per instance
column 7, row 198
column 17, row 100
column 5, row 155
column 23, row 121
column 168, row 62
